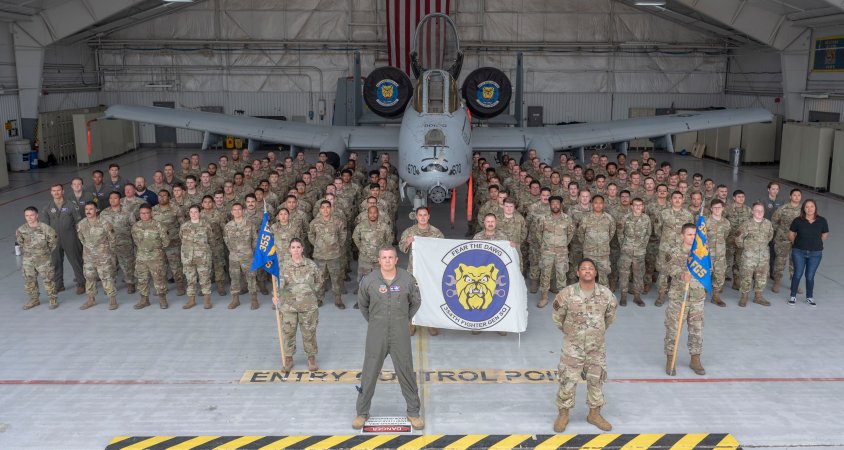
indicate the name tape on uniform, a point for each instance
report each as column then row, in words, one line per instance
column 452, row 376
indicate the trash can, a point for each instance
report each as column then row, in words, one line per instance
column 735, row 157
column 33, row 159
column 17, row 153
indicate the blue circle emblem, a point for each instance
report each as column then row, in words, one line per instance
column 475, row 287
column 488, row 93
column 387, row 92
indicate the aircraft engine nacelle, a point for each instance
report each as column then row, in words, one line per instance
column 487, row 92
column 387, row 91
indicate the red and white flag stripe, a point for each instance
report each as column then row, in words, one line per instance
column 402, row 18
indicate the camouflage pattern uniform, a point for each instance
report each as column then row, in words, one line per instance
column 515, row 228
column 668, row 229
column 284, row 233
column 596, row 232
column 300, row 285
column 753, row 238
column 328, row 236
column 240, row 240
column 736, row 215
column 369, row 238
column 37, row 246
column 555, row 233
column 781, row 221
column 216, row 221
column 98, row 245
column 171, row 217
column 536, row 213
column 124, row 247
column 431, row 232
column 584, row 318
column 576, row 213
column 716, row 243
column 675, row 265
column 196, row 255
column 151, row 238
column 634, row 233
column 498, row 235
column 653, row 209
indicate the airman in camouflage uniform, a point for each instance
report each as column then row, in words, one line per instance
column 121, row 221
column 634, row 232
column 781, row 221
column 369, row 237
column 583, row 311
column 536, row 212
column 513, row 225
column 195, row 236
column 675, row 265
column 300, row 287
column 216, row 221
column 576, row 212
column 596, row 230
column 554, row 234
column 328, row 236
column 668, row 228
column 717, row 230
column 151, row 238
column 753, row 238
column 38, row 241
column 171, row 217
column 653, row 208
column 424, row 229
column 284, row 230
column 737, row 213
column 98, row 243
column 240, row 236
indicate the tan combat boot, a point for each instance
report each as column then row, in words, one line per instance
column 646, row 288
column 358, row 423
column 191, row 302
column 80, row 290
column 670, row 371
column 54, row 303
column 338, row 302
column 637, row 299
column 162, row 301
column 660, row 299
column 562, row 421
column 775, row 288
column 696, row 366
column 288, row 363
column 235, row 301
column 613, row 285
column 417, row 423
column 543, row 300
column 32, row 303
column 716, row 299
column 312, row 365
column 206, row 301
column 221, row 288
column 534, row 286
column 143, row 302
column 743, row 300
column 91, row 302
column 112, row 302
column 736, row 285
column 759, row 300
column 596, row 419
column 253, row 301
column 622, row 298
column 180, row 288
column 130, row 288
column 262, row 286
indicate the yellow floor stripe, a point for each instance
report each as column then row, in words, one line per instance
column 510, row 442
column 283, row 443
column 728, row 443
column 555, row 441
column 464, row 442
column 642, row 441
column 375, row 442
column 600, row 441
column 187, row 445
column 420, row 442
column 239, row 442
column 148, row 442
column 330, row 442
column 688, row 441
column 118, row 439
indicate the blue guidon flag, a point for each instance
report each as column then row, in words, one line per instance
column 699, row 262
column 265, row 256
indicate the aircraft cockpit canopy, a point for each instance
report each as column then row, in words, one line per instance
column 436, row 93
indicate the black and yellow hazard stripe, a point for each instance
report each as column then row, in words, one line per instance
column 433, row 441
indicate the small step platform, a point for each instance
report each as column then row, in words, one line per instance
column 705, row 441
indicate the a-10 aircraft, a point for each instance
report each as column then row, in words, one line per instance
column 436, row 137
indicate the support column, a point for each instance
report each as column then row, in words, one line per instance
column 29, row 65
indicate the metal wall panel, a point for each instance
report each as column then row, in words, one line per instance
column 10, row 110
column 570, row 107
column 68, row 100
column 754, row 101
column 623, row 102
column 833, row 105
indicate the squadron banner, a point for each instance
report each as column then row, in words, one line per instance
column 469, row 285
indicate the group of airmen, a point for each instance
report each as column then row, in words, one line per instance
column 626, row 225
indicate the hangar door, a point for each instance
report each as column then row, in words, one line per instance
column 165, row 136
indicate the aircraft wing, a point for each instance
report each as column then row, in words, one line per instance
column 265, row 130
column 564, row 137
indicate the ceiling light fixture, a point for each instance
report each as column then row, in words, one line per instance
column 650, row 2
column 159, row 85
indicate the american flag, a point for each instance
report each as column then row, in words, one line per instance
column 402, row 18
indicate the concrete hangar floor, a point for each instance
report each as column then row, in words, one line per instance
column 76, row 379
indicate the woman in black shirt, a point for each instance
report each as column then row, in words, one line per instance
column 807, row 233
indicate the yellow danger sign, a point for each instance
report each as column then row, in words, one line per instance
column 450, row 376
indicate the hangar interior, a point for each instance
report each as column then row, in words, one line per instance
column 778, row 381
